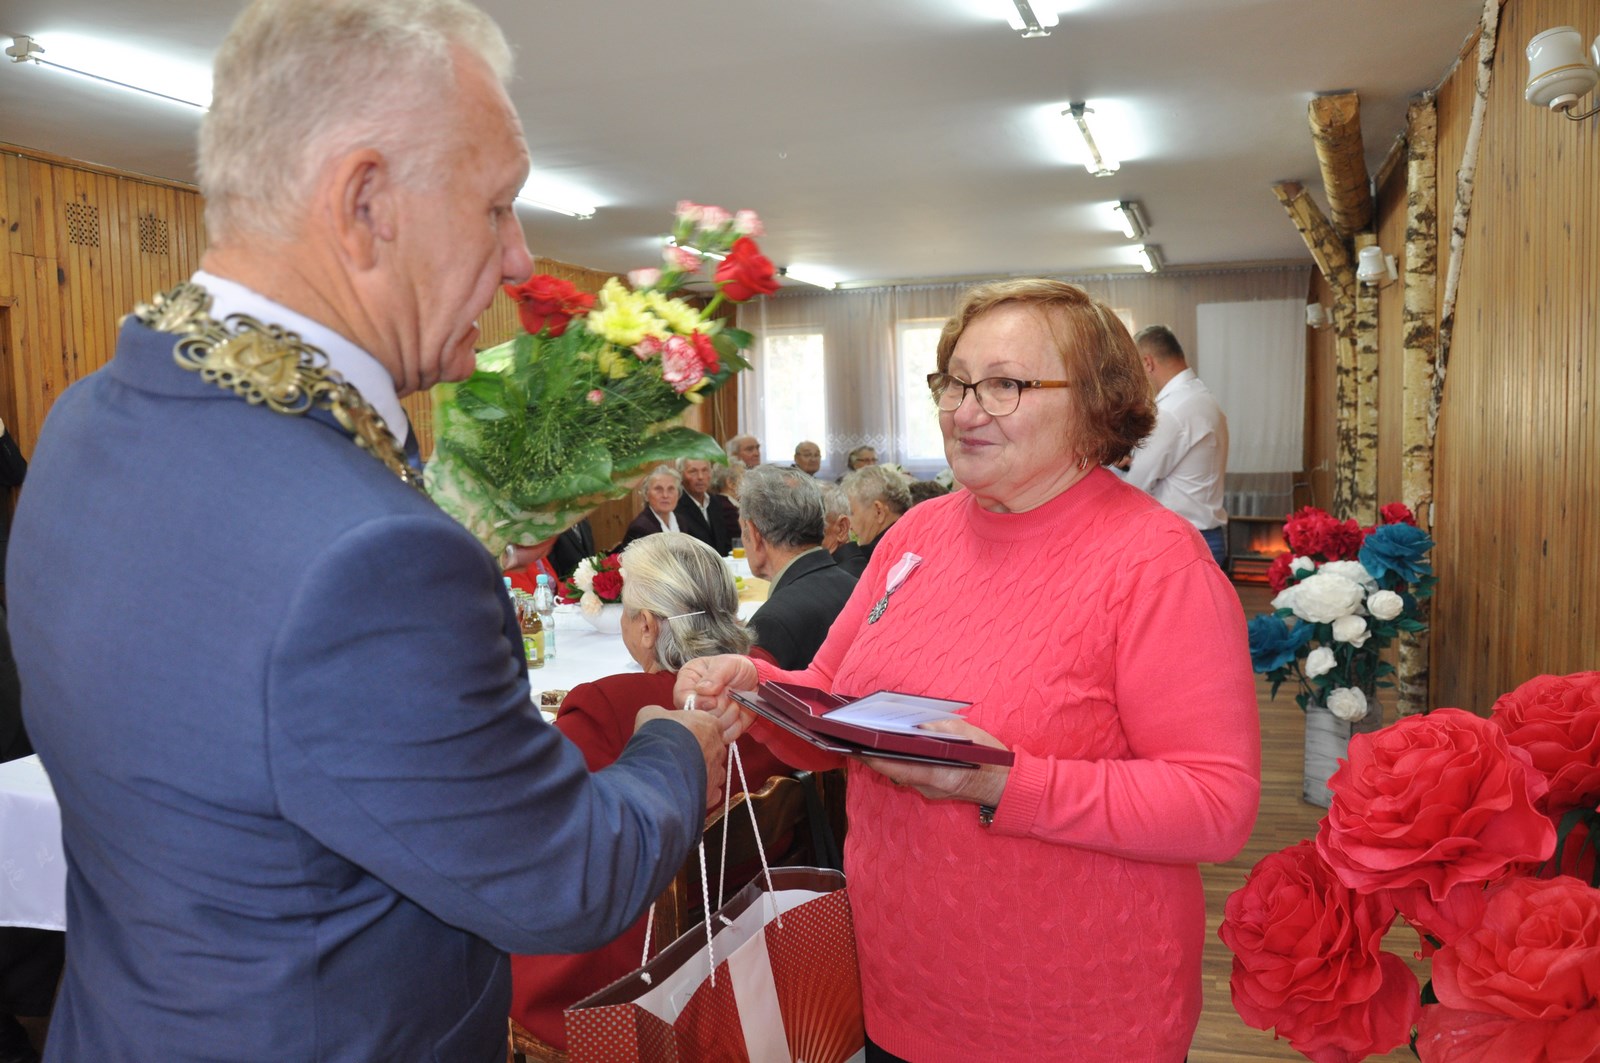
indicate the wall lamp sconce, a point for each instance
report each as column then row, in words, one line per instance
column 1317, row 316
column 1153, row 262
column 1022, row 18
column 1097, row 164
column 1375, row 268
column 1130, row 218
column 1559, row 73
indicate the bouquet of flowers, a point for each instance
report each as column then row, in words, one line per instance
column 575, row 411
column 1344, row 593
column 596, row 582
column 1480, row 833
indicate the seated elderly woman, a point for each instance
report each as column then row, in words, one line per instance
column 1052, row 909
column 836, row 531
column 678, row 602
column 660, row 491
column 879, row 496
column 725, row 482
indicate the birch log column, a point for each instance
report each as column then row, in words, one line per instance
column 1421, row 336
column 1332, row 256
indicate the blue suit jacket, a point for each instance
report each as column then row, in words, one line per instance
column 306, row 802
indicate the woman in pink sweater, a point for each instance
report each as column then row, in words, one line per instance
column 1051, row 910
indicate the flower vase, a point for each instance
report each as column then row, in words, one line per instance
column 1327, row 740
column 607, row 619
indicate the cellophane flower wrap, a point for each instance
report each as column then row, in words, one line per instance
column 1343, row 594
column 1445, row 820
column 576, row 410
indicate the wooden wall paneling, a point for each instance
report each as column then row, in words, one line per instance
column 1518, row 453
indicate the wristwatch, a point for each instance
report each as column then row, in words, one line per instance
column 985, row 815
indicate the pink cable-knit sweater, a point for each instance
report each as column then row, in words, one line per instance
column 1095, row 637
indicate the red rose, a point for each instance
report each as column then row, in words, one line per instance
column 1307, row 960
column 1433, row 802
column 706, row 351
column 1278, row 572
column 1396, row 513
column 1578, row 854
column 746, row 272
column 1341, row 541
column 1556, row 718
column 608, row 585
column 1522, row 985
column 1304, row 531
column 549, row 302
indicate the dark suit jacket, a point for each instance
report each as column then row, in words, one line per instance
column 800, row 607
column 306, row 802
column 13, row 469
column 572, row 546
column 850, row 557
column 644, row 524
column 713, row 532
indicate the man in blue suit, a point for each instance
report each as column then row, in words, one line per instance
column 306, row 802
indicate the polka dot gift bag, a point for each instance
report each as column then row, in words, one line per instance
column 771, row 977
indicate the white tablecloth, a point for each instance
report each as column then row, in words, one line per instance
column 33, row 869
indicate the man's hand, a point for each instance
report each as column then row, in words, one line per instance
column 707, row 680
column 707, row 730
column 515, row 556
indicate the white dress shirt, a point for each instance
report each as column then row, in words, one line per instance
column 359, row 369
column 670, row 524
column 1183, row 462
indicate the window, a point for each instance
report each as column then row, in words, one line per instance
column 793, row 401
column 916, row 355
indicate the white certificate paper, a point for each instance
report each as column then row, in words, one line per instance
column 888, row 710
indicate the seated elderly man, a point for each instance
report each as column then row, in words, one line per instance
column 808, row 457
column 746, row 449
column 782, row 520
column 707, row 516
column 847, row 553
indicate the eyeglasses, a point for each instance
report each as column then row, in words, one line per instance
column 997, row 395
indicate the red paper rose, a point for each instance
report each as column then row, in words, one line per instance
column 746, row 272
column 1278, row 573
column 1556, row 719
column 1307, row 960
column 549, row 302
column 1524, row 985
column 1397, row 513
column 1430, row 804
column 608, row 585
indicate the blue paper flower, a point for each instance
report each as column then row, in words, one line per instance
column 1274, row 643
column 1396, row 550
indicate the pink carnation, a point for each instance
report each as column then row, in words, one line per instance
column 680, row 259
column 597, row 396
column 680, row 365
column 748, row 223
column 643, row 278
column 647, row 348
column 714, row 217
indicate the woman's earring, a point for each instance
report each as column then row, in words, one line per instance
column 1083, row 463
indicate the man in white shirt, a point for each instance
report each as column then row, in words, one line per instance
column 1185, row 459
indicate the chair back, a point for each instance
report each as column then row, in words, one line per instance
column 783, row 830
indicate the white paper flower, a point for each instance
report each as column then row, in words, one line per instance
column 1385, row 605
column 1347, row 703
column 1286, row 597
column 583, row 576
column 1351, row 629
column 1302, row 564
column 1354, row 571
column 1319, row 662
column 1324, row 597
column 590, row 603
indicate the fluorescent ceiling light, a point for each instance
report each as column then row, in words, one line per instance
column 118, row 65
column 1022, row 17
column 807, row 275
column 1093, row 158
column 1151, row 254
column 1129, row 217
column 539, row 191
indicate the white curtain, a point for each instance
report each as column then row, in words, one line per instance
column 870, row 386
column 1253, row 358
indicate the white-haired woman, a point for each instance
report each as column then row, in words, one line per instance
column 678, row 603
column 660, row 491
column 879, row 495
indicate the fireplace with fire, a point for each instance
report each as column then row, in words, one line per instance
column 1252, row 544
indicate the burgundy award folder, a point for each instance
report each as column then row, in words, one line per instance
column 802, row 711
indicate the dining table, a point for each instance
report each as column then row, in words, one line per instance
column 33, row 866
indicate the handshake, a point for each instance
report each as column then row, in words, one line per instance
column 708, row 713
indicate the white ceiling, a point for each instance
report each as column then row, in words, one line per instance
column 879, row 139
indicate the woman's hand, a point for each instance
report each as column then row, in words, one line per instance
column 982, row 785
column 707, row 681
column 516, row 556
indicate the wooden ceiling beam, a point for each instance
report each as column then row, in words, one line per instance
column 1336, row 132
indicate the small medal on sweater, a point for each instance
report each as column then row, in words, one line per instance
column 897, row 576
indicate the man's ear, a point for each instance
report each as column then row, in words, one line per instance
column 359, row 196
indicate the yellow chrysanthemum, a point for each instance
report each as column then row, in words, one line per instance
column 623, row 317
column 678, row 315
column 615, row 364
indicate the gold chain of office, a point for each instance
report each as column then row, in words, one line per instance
column 268, row 365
